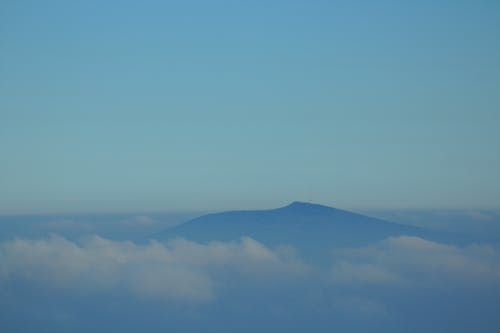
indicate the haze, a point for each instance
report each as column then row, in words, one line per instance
column 213, row 105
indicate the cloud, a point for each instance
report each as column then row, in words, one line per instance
column 74, row 227
column 416, row 262
column 185, row 286
column 179, row 270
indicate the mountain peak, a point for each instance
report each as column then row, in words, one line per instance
column 300, row 206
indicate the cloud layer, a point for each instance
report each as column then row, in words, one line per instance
column 177, row 271
column 185, row 285
column 412, row 261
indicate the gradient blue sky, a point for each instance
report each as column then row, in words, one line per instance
column 182, row 105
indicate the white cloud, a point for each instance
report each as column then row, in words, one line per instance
column 414, row 261
column 179, row 270
column 399, row 280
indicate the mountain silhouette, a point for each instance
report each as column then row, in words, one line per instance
column 311, row 228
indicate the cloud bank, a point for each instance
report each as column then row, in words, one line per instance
column 415, row 262
column 244, row 285
column 178, row 271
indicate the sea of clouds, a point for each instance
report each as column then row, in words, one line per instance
column 403, row 283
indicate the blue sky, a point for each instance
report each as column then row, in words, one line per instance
column 196, row 105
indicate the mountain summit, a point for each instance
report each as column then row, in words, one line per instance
column 307, row 208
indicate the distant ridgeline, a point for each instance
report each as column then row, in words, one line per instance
column 313, row 229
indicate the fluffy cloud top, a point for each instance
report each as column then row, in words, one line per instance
column 185, row 286
column 179, row 270
column 415, row 261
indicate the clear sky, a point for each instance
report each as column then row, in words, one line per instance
column 182, row 105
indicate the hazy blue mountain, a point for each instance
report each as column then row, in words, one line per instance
column 310, row 227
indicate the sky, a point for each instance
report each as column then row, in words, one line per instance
column 125, row 106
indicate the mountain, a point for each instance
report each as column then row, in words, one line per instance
column 311, row 228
